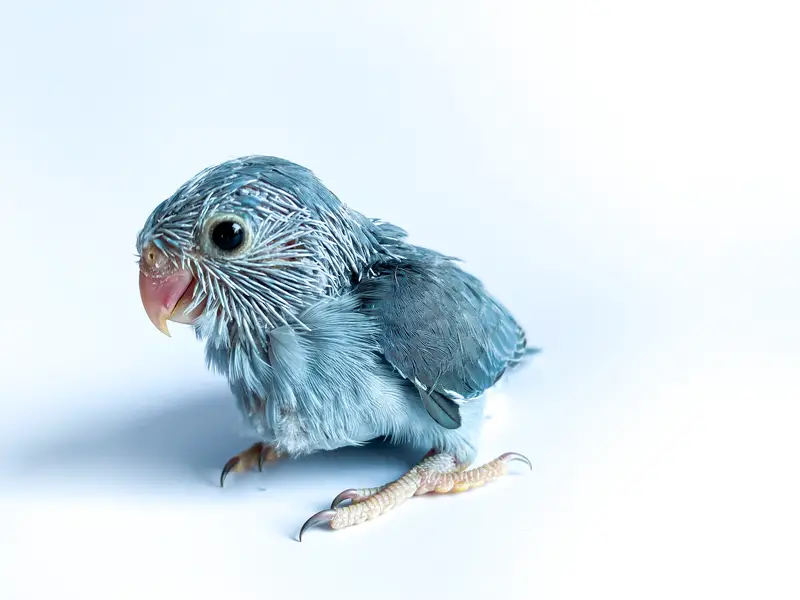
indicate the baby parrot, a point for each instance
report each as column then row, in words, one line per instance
column 330, row 327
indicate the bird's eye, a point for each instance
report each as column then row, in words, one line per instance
column 227, row 235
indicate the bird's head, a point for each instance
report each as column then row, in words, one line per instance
column 245, row 246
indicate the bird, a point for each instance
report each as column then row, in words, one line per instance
column 331, row 328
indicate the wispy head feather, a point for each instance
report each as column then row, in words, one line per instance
column 302, row 244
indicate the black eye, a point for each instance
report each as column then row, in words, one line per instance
column 227, row 235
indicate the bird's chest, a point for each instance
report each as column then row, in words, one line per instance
column 309, row 390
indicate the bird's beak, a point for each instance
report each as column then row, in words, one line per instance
column 166, row 290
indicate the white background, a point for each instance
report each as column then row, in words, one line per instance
column 622, row 174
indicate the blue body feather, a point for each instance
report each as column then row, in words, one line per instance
column 332, row 329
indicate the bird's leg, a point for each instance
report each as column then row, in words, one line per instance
column 439, row 473
column 255, row 455
column 356, row 495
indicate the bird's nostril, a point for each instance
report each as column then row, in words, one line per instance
column 152, row 259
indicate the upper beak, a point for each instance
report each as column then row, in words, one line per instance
column 166, row 290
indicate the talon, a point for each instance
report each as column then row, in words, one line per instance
column 323, row 516
column 229, row 466
column 512, row 456
column 350, row 494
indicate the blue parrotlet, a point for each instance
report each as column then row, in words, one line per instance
column 331, row 328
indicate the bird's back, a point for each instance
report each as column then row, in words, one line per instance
column 442, row 330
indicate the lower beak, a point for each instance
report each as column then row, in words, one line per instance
column 166, row 292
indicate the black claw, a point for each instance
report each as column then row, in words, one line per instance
column 229, row 466
column 350, row 494
column 323, row 516
column 512, row 456
column 260, row 461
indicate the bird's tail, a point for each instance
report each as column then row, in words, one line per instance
column 523, row 352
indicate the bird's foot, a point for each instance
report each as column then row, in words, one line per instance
column 255, row 455
column 356, row 495
column 439, row 473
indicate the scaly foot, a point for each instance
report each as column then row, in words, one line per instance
column 438, row 473
column 255, row 455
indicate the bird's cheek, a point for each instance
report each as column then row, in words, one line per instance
column 181, row 312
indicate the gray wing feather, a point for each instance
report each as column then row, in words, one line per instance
column 443, row 332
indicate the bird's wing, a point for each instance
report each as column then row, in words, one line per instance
column 442, row 331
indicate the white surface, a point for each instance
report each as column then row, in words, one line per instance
column 622, row 174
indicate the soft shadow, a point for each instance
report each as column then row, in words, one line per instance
column 183, row 442
column 185, row 432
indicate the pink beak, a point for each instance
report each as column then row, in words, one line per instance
column 166, row 290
